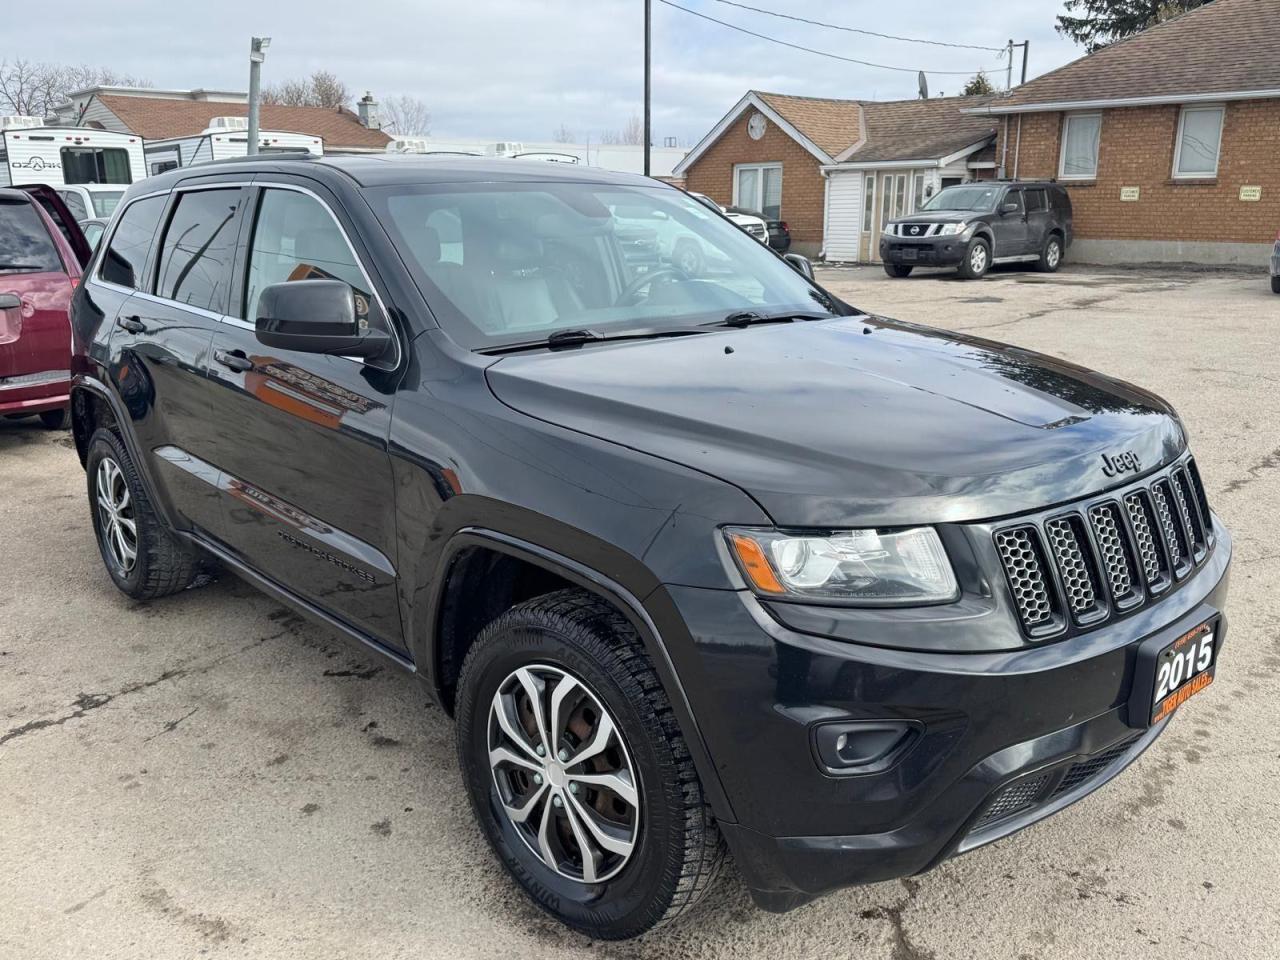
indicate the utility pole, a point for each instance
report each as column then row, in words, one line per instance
column 1026, row 44
column 257, row 53
column 1008, row 82
column 648, row 57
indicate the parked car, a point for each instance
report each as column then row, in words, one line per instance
column 972, row 226
column 1275, row 265
column 93, row 229
column 87, row 201
column 694, row 562
column 753, row 224
column 779, row 230
column 40, row 263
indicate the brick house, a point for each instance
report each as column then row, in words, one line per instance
column 1168, row 142
column 835, row 170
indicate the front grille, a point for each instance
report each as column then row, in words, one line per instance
column 1109, row 556
column 1079, row 773
column 1013, row 799
column 756, row 229
column 1038, row 789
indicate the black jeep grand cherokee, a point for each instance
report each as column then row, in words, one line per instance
column 972, row 226
column 696, row 562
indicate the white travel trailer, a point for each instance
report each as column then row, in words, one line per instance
column 224, row 137
column 30, row 152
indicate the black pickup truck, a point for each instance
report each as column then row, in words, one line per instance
column 699, row 563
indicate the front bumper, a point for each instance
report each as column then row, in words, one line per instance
column 930, row 252
column 1049, row 724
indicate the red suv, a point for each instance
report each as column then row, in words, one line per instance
column 42, row 254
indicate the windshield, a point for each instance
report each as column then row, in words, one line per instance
column 105, row 201
column 970, row 197
column 503, row 263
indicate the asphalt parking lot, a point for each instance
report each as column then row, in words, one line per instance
column 212, row 775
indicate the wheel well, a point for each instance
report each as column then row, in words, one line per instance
column 88, row 412
column 482, row 584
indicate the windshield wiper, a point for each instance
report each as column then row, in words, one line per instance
column 750, row 318
column 574, row 338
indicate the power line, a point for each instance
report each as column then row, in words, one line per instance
column 821, row 53
column 869, row 33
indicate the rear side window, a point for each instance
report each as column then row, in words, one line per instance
column 126, row 254
column 1037, row 201
column 75, row 204
column 198, row 247
column 25, row 244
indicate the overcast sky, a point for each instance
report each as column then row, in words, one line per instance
column 517, row 69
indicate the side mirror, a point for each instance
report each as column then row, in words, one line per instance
column 1008, row 208
column 316, row 316
column 799, row 264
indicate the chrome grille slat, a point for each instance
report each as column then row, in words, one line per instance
column 1190, row 512
column 1109, row 532
column 1174, row 538
column 1023, row 562
column 1071, row 551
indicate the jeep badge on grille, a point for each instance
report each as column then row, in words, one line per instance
column 1120, row 463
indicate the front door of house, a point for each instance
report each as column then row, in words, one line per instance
column 892, row 201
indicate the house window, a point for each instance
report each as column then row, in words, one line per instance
column 868, row 201
column 1080, row 135
column 758, row 186
column 917, row 192
column 1199, row 138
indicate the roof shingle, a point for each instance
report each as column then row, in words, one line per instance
column 1227, row 46
column 894, row 129
column 154, row 118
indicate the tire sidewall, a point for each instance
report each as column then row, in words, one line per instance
column 640, row 894
column 966, row 268
column 101, row 446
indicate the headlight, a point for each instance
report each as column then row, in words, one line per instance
column 871, row 567
column 889, row 230
column 950, row 229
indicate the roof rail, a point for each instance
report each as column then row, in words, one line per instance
column 282, row 153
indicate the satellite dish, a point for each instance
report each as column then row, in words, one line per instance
column 924, row 85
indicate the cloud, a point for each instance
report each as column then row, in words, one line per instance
column 513, row 69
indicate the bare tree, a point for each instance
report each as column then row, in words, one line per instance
column 34, row 89
column 632, row 133
column 321, row 89
column 406, row 116
column 562, row 134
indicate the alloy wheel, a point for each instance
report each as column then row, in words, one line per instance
column 1052, row 255
column 117, row 524
column 563, row 774
column 978, row 258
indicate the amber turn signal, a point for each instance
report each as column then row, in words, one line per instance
column 754, row 564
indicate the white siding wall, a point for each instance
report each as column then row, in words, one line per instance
column 844, row 216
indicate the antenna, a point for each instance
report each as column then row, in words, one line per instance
column 924, row 85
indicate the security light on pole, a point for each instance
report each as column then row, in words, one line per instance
column 257, row 53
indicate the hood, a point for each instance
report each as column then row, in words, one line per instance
column 854, row 421
column 941, row 216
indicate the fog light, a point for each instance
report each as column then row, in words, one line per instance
column 863, row 746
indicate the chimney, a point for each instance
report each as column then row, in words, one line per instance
column 369, row 111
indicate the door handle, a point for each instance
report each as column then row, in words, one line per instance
column 10, row 301
column 132, row 324
column 235, row 360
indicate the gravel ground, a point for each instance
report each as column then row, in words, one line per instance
column 213, row 775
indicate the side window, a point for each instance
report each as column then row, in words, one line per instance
column 25, row 244
column 126, row 254
column 1037, row 201
column 75, row 204
column 198, row 247
column 295, row 238
column 1015, row 197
